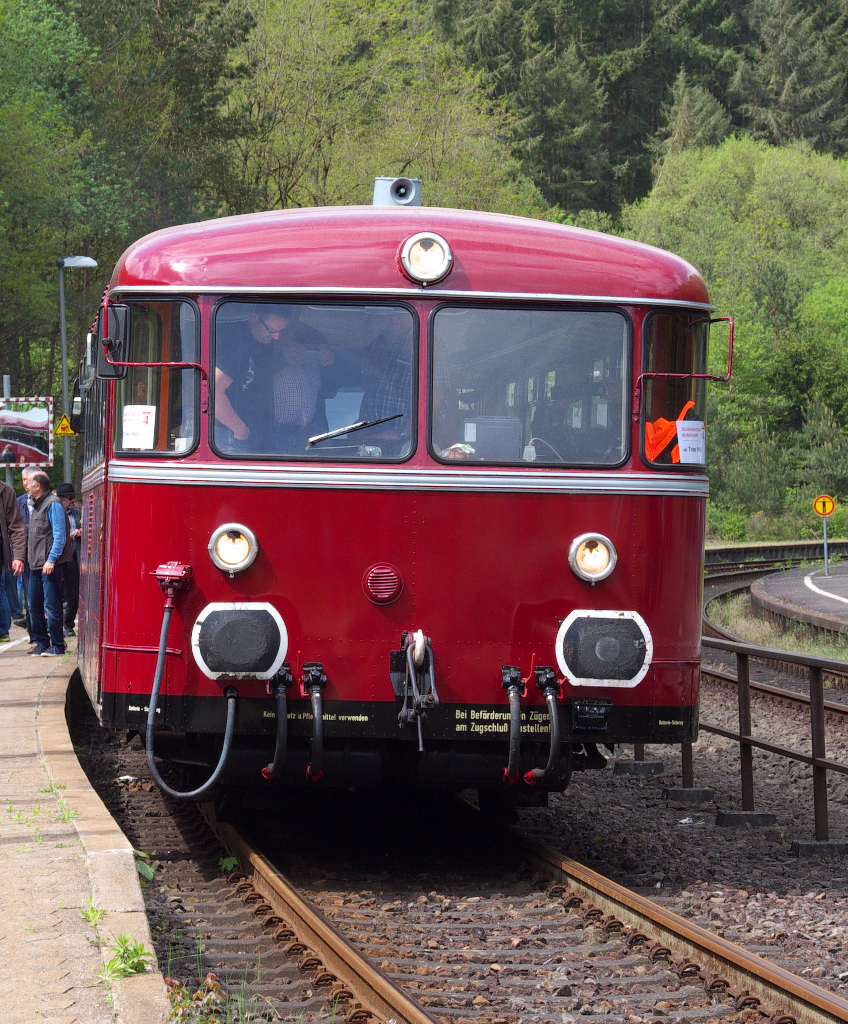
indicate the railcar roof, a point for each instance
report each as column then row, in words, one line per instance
column 354, row 247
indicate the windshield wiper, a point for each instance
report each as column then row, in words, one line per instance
column 361, row 425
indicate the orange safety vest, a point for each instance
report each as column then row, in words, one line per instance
column 659, row 434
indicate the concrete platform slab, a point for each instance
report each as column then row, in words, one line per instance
column 60, row 847
column 818, row 848
column 638, row 768
column 739, row 819
column 693, row 796
column 806, row 595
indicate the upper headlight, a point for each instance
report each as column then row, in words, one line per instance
column 592, row 557
column 426, row 257
column 232, row 547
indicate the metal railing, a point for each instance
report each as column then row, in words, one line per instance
column 821, row 765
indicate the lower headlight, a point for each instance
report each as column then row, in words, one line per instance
column 233, row 547
column 592, row 557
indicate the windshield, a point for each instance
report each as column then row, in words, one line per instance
column 522, row 385
column 674, row 427
column 288, row 372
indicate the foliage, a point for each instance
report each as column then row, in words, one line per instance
column 90, row 913
column 228, row 864
column 142, row 865
column 130, row 957
column 195, row 1007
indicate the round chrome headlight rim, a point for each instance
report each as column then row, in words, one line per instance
column 581, row 544
column 407, row 258
column 215, row 547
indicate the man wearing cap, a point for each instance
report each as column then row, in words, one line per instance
column 49, row 549
column 67, row 495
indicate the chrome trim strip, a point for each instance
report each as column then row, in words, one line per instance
column 406, row 293
column 94, row 477
column 369, row 478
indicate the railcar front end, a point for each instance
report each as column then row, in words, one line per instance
column 395, row 497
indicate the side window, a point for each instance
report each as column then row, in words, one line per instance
column 155, row 407
column 95, row 424
column 673, row 421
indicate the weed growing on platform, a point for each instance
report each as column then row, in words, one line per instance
column 130, row 958
column 90, row 913
column 65, row 813
column 54, row 787
column 142, row 865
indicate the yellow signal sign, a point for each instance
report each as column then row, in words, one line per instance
column 64, row 429
column 824, row 505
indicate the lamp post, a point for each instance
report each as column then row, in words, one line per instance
column 61, row 263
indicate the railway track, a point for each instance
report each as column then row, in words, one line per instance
column 423, row 916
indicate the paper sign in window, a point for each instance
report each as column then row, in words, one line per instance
column 692, row 441
column 139, row 427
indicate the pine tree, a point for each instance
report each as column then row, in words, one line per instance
column 694, row 119
column 792, row 88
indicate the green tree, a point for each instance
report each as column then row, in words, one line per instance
column 693, row 120
column 792, row 88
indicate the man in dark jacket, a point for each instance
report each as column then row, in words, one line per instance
column 49, row 548
column 13, row 541
column 67, row 496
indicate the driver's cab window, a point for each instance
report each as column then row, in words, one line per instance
column 314, row 381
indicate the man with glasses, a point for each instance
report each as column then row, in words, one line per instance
column 267, row 375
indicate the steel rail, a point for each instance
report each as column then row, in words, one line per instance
column 380, row 997
column 775, row 691
column 808, row 1003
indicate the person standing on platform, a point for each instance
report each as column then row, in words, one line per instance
column 49, row 549
column 25, row 506
column 67, row 495
column 13, row 538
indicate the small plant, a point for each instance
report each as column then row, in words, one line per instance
column 130, row 958
column 142, row 865
column 65, row 813
column 228, row 864
column 90, row 913
column 54, row 787
column 195, row 1007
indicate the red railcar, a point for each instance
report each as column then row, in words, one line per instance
column 422, row 489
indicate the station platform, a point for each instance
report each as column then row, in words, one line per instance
column 60, row 848
column 807, row 596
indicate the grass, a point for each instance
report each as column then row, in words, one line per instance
column 734, row 614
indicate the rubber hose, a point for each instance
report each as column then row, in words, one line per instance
column 272, row 770
column 151, row 719
column 537, row 774
column 511, row 773
column 317, row 734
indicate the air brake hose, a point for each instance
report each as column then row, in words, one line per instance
column 231, row 696
column 511, row 770
column 272, row 770
column 537, row 775
column 313, row 769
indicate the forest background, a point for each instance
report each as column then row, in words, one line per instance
column 714, row 128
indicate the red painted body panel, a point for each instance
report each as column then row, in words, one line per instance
column 486, row 576
column 313, row 248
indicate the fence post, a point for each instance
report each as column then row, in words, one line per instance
column 638, row 751
column 688, row 771
column 819, row 751
column 746, row 752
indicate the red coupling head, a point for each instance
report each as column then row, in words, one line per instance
column 313, row 778
column 267, row 775
column 510, row 780
column 173, row 576
column 534, row 777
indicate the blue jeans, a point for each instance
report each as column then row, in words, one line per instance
column 44, row 600
column 10, row 583
column 5, row 613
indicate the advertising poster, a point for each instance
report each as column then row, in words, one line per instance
column 26, row 432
